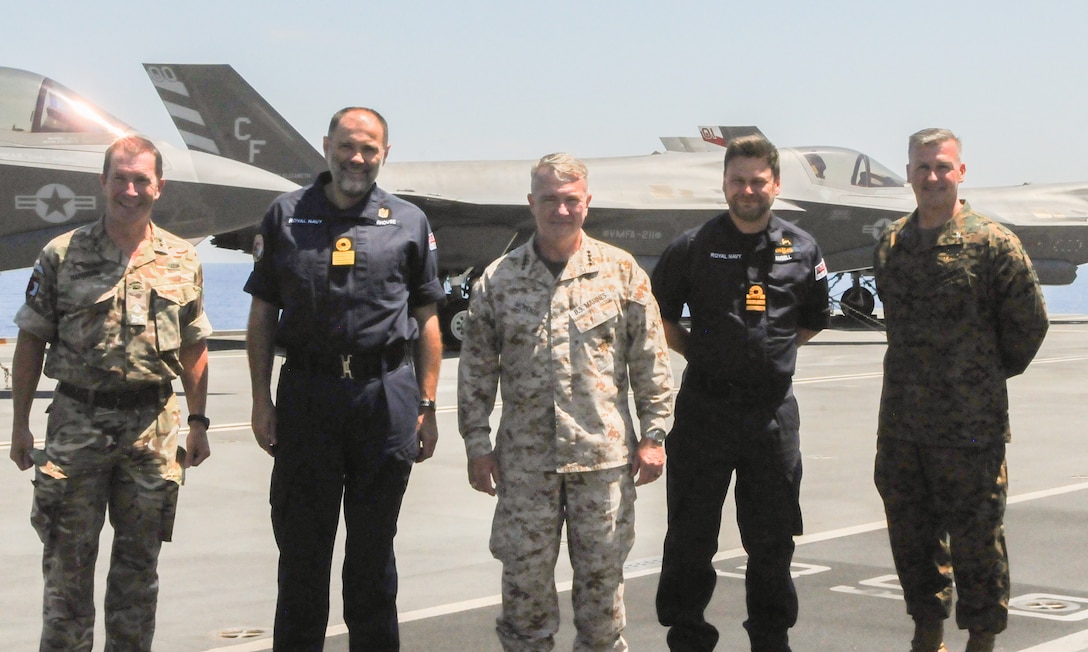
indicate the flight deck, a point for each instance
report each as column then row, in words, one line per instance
column 217, row 577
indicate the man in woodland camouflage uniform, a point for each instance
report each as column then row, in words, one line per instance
column 120, row 304
column 964, row 312
column 566, row 324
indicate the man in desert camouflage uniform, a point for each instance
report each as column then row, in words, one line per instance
column 564, row 324
column 119, row 303
column 964, row 312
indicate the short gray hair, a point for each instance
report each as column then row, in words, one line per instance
column 563, row 166
column 932, row 136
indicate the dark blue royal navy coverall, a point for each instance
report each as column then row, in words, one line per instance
column 736, row 412
column 346, row 427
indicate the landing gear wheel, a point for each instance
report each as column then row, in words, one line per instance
column 857, row 302
column 452, row 319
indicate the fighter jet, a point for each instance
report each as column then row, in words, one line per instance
column 52, row 143
column 478, row 208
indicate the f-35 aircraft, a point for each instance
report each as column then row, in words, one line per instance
column 478, row 208
column 52, row 144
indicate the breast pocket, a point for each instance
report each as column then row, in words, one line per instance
column 168, row 304
column 89, row 323
column 952, row 295
column 595, row 331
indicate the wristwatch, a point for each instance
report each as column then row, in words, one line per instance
column 426, row 404
column 656, row 435
column 200, row 418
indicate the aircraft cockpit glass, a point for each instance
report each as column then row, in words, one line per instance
column 18, row 100
column 33, row 104
column 846, row 169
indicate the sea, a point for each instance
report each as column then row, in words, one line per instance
column 227, row 304
column 224, row 301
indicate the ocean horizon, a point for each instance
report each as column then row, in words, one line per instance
column 227, row 304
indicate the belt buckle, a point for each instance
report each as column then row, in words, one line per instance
column 345, row 366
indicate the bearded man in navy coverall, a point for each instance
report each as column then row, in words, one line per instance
column 345, row 280
column 756, row 287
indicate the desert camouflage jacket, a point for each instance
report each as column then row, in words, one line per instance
column 564, row 352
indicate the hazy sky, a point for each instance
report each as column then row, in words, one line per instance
column 508, row 79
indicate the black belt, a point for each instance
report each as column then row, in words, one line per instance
column 126, row 399
column 356, row 366
column 767, row 392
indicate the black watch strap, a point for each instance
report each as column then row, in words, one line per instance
column 200, row 418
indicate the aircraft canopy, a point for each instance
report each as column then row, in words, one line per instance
column 31, row 103
column 847, row 169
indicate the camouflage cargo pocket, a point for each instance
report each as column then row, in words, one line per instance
column 48, row 496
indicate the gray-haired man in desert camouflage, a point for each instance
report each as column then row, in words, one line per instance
column 119, row 303
column 563, row 325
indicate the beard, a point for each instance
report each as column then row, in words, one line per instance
column 354, row 185
column 749, row 211
column 354, row 182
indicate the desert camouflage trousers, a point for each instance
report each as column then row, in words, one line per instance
column 946, row 509
column 598, row 508
column 124, row 460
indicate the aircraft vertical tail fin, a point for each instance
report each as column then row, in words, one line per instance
column 721, row 136
column 216, row 111
column 711, row 139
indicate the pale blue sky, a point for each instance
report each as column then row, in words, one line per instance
column 505, row 79
column 508, row 79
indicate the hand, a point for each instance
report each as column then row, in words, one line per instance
column 649, row 462
column 263, row 422
column 196, row 445
column 22, row 440
column 427, row 427
column 481, row 471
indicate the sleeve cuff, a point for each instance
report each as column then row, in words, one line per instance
column 32, row 322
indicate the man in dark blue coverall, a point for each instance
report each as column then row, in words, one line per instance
column 345, row 281
column 756, row 287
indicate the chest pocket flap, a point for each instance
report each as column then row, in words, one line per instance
column 170, row 306
column 180, row 294
column 594, row 312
